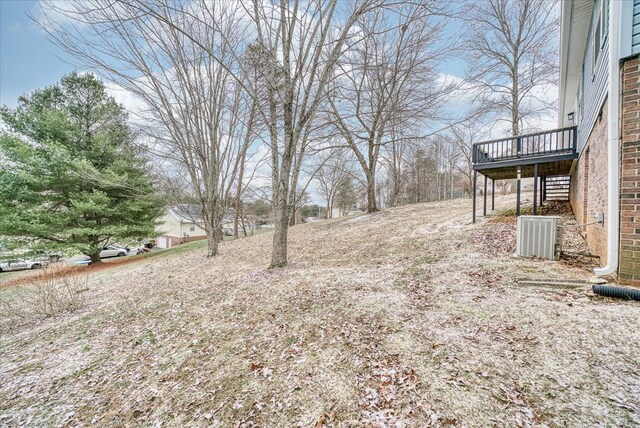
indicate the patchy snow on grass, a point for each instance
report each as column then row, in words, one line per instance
column 408, row 317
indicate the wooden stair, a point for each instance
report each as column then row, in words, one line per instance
column 557, row 187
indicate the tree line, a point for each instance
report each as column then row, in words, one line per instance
column 271, row 101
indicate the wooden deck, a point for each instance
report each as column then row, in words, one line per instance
column 539, row 155
column 553, row 151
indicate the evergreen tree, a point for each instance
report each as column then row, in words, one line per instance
column 70, row 175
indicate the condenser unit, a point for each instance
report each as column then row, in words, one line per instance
column 539, row 236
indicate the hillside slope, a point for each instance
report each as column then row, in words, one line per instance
column 408, row 317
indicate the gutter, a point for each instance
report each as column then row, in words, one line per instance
column 613, row 149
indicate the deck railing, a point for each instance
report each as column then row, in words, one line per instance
column 555, row 142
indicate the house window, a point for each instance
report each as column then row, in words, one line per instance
column 600, row 33
column 604, row 18
column 580, row 95
column 597, row 47
column 192, row 228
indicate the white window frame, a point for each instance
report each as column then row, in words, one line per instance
column 604, row 22
column 596, row 44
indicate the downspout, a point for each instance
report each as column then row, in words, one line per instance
column 613, row 156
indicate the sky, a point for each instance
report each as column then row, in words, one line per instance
column 28, row 60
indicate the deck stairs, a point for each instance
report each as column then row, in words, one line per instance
column 557, row 187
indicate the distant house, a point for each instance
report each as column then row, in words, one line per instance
column 593, row 159
column 182, row 223
column 337, row 212
column 248, row 221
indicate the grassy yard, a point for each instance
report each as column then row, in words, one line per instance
column 407, row 317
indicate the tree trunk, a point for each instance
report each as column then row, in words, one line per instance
column 371, row 194
column 292, row 216
column 279, row 252
column 212, row 242
column 95, row 258
column 244, row 227
column 213, row 231
column 236, row 217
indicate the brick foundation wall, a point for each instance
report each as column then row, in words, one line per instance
column 588, row 194
column 629, row 263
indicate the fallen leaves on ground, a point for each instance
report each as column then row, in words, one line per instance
column 408, row 317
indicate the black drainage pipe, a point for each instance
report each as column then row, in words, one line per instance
column 620, row 292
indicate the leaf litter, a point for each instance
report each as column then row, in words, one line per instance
column 409, row 317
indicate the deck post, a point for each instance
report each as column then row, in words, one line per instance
column 493, row 194
column 484, row 209
column 535, row 189
column 475, row 180
column 519, row 176
column 541, row 187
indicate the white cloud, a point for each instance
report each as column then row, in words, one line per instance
column 134, row 104
column 55, row 12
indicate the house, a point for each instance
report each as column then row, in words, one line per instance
column 593, row 158
column 181, row 223
column 246, row 223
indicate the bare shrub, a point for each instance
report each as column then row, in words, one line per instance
column 55, row 290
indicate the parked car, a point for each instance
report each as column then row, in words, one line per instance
column 113, row 251
column 22, row 265
column 51, row 257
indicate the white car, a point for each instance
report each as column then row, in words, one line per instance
column 22, row 265
column 112, row 251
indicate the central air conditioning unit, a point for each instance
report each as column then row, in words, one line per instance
column 539, row 236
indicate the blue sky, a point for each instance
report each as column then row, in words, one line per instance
column 27, row 58
column 29, row 61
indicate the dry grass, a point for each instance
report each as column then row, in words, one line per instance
column 408, row 317
column 54, row 290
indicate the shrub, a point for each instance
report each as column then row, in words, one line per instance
column 55, row 290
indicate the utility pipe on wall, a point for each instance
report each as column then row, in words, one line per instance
column 613, row 149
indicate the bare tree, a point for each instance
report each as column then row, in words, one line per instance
column 387, row 79
column 332, row 172
column 346, row 196
column 192, row 105
column 393, row 161
column 301, row 43
column 463, row 138
column 512, row 52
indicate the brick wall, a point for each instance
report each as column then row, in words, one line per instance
column 588, row 193
column 629, row 267
column 578, row 193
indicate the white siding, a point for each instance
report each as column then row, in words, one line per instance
column 172, row 227
column 595, row 81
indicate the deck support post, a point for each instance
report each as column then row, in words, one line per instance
column 493, row 194
column 541, row 187
column 484, row 192
column 473, row 191
column 535, row 189
column 519, row 176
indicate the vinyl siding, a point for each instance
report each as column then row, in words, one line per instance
column 635, row 32
column 172, row 227
column 595, row 81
